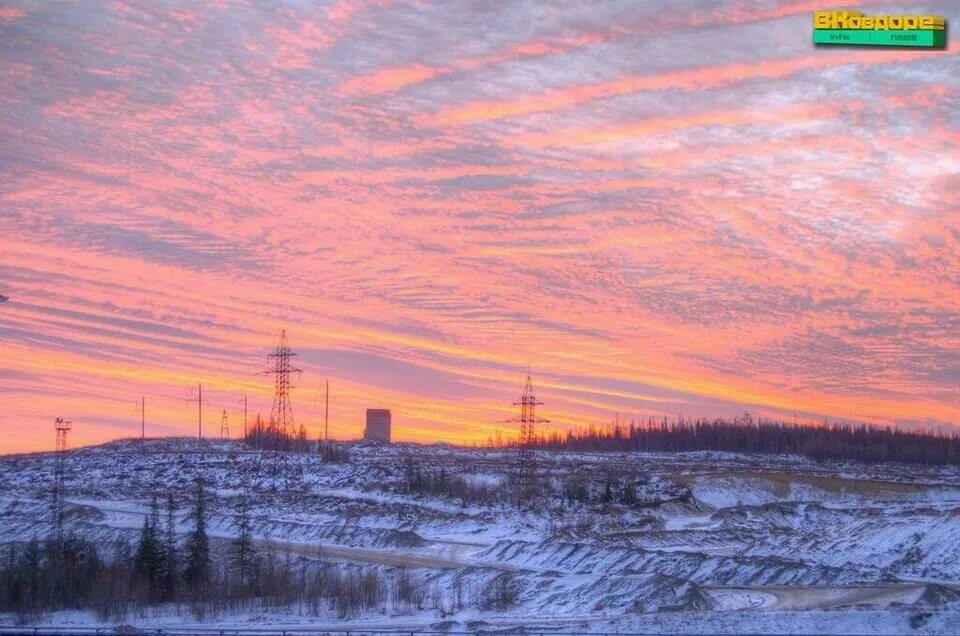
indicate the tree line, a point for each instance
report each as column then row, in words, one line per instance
column 71, row 573
column 745, row 434
column 184, row 572
column 268, row 436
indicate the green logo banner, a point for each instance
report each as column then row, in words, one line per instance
column 854, row 28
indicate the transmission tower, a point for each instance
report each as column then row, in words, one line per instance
column 61, row 427
column 526, row 467
column 282, row 432
column 281, row 416
column 224, row 426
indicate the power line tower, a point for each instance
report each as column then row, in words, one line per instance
column 224, row 426
column 281, row 416
column 61, row 428
column 528, row 420
column 282, row 431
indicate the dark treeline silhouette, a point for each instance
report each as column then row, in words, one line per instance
column 72, row 574
column 745, row 434
column 37, row 576
column 334, row 452
column 267, row 436
column 163, row 568
column 421, row 479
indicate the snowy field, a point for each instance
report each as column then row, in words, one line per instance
column 665, row 543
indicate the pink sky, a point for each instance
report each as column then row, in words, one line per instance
column 675, row 210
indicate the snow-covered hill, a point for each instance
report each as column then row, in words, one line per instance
column 615, row 541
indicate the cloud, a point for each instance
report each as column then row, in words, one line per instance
column 652, row 208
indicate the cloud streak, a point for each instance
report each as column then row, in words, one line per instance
column 655, row 210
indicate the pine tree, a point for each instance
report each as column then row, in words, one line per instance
column 170, row 562
column 243, row 552
column 197, row 570
column 302, row 443
column 155, row 516
column 146, row 560
column 31, row 568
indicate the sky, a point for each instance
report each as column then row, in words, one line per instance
column 655, row 209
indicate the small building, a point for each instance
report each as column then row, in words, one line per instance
column 378, row 426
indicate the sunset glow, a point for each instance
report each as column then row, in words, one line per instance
column 689, row 211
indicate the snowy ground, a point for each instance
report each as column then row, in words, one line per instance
column 711, row 543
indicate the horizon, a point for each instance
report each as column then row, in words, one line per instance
column 550, row 435
column 682, row 212
column 511, row 444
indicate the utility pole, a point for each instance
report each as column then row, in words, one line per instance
column 244, row 417
column 224, row 426
column 326, row 412
column 199, row 401
column 143, row 419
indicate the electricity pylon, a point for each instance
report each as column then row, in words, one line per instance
column 528, row 420
column 282, row 432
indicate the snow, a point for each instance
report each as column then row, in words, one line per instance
column 718, row 542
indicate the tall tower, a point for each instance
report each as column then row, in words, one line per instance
column 281, row 416
column 528, row 420
column 61, row 428
column 281, row 432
